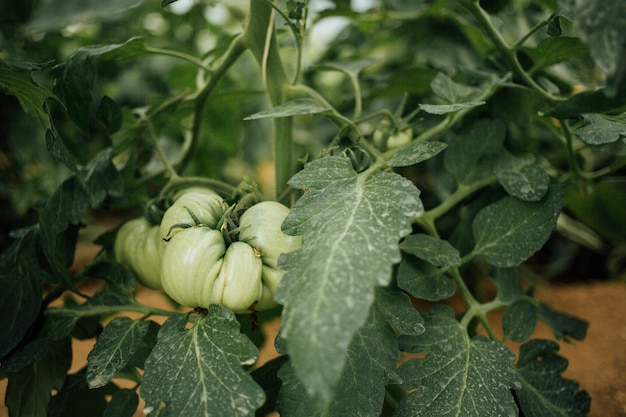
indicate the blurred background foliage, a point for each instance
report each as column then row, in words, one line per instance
column 398, row 47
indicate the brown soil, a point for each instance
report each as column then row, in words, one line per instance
column 598, row 363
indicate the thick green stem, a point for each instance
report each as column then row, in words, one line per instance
column 260, row 39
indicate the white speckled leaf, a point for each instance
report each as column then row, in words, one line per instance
column 459, row 376
column 351, row 225
column 197, row 372
column 118, row 342
column 509, row 231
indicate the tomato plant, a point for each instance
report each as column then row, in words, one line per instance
column 420, row 152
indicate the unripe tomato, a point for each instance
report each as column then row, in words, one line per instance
column 386, row 137
column 205, row 204
column 138, row 246
column 260, row 227
column 238, row 286
column 191, row 262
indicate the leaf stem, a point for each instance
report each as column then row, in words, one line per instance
column 155, row 142
column 473, row 6
column 180, row 55
column 235, row 50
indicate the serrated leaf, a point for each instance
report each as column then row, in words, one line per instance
column 452, row 92
column 431, row 249
column 544, row 392
column 423, row 280
column 20, row 298
column 370, row 366
column 29, row 390
column 471, row 157
column 598, row 130
column 519, row 320
column 399, row 311
column 123, row 404
column 298, row 107
column 521, row 177
column 458, row 376
column 554, row 50
column 449, row 108
column 102, row 178
column 16, row 80
column 114, row 348
column 601, row 25
column 351, row 225
column 509, row 231
column 198, row 371
column 415, row 153
column 79, row 76
column 564, row 326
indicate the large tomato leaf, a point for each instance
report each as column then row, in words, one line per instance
column 29, row 390
column 458, row 376
column 471, row 156
column 544, row 392
column 509, row 231
column 351, row 225
column 198, row 371
column 115, row 347
column 15, row 79
column 370, row 365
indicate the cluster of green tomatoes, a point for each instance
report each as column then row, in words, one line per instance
column 200, row 254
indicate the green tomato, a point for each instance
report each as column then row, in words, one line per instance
column 260, row 227
column 191, row 262
column 238, row 286
column 138, row 246
column 386, row 137
column 205, row 204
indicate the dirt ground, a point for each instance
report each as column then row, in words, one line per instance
column 598, row 363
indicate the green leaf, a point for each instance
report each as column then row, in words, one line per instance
column 114, row 348
column 519, row 320
column 565, row 326
column 110, row 113
column 599, row 130
column 449, row 108
column 399, row 311
column 197, row 371
column 56, row 14
column 350, row 68
column 424, row 281
column 370, row 366
column 79, row 76
column 102, row 178
column 521, row 177
column 596, row 101
column 16, row 80
column 544, row 392
column 21, row 283
column 471, row 157
column 351, row 225
column 601, row 25
column 415, row 153
column 509, row 231
column 431, row 249
column 267, row 377
column 29, row 390
column 554, row 50
column 119, row 291
column 452, row 92
column 59, row 221
column 123, row 404
column 77, row 399
column 298, row 107
column 458, row 376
